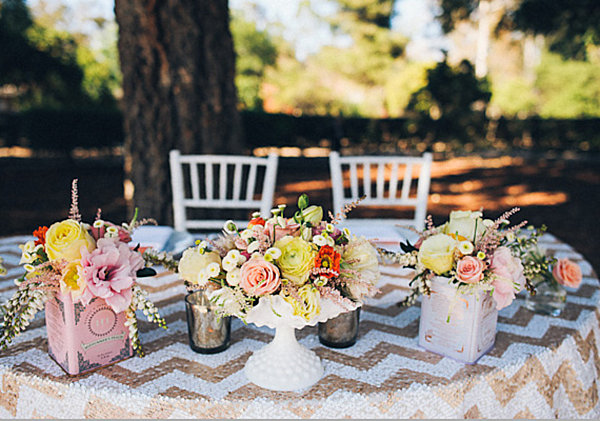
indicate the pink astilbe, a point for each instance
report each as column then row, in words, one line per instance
column 109, row 272
column 335, row 296
column 48, row 277
column 492, row 237
column 74, row 210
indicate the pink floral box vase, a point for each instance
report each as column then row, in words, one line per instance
column 83, row 338
column 459, row 326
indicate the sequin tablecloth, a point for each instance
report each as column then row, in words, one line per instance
column 540, row 366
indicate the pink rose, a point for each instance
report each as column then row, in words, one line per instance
column 110, row 271
column 470, row 270
column 567, row 273
column 259, row 277
column 508, row 276
column 290, row 228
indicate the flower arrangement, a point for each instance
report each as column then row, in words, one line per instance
column 295, row 261
column 474, row 254
column 86, row 262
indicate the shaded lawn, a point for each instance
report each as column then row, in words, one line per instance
column 563, row 194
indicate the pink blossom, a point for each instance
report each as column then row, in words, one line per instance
column 259, row 277
column 470, row 270
column 290, row 228
column 508, row 276
column 567, row 273
column 240, row 243
column 110, row 272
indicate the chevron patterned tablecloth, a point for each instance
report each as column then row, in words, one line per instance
column 540, row 366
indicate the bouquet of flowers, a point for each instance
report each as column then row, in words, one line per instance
column 289, row 265
column 86, row 262
column 473, row 254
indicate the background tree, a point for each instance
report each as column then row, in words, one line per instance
column 178, row 66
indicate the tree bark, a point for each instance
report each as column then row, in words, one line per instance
column 178, row 66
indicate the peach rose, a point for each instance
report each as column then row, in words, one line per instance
column 567, row 273
column 469, row 270
column 259, row 277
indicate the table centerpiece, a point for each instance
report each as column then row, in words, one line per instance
column 467, row 269
column 85, row 277
column 284, row 273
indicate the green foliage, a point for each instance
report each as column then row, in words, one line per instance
column 515, row 97
column 568, row 88
column 255, row 51
column 402, row 84
column 49, row 67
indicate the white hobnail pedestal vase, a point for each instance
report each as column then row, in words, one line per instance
column 284, row 364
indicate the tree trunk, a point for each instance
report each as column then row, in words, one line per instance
column 178, row 66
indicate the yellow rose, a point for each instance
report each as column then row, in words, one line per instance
column 296, row 260
column 193, row 262
column 64, row 240
column 310, row 305
column 72, row 281
column 465, row 224
column 313, row 214
column 437, row 253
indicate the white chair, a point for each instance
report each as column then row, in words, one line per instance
column 220, row 182
column 385, row 181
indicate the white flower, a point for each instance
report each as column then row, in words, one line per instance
column 465, row 247
column 488, row 223
column 319, row 240
column 256, row 215
column 29, row 268
column 229, row 263
column 236, row 256
column 233, row 277
column 213, row 270
column 98, row 223
column 510, row 236
column 253, row 246
column 346, row 232
column 229, row 227
column 329, row 228
column 247, row 234
column 111, row 232
column 273, row 252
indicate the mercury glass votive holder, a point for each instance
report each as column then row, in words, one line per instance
column 208, row 333
column 340, row 331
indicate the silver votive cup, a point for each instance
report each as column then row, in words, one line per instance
column 208, row 333
column 340, row 331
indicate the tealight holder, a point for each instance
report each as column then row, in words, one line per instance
column 208, row 333
column 340, row 331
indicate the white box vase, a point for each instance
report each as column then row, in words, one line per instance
column 459, row 326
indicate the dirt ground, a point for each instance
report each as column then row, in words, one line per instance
column 563, row 193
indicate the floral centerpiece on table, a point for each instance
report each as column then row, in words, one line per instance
column 83, row 261
column 284, row 273
column 477, row 254
column 297, row 260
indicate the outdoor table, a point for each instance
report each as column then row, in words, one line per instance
column 540, row 366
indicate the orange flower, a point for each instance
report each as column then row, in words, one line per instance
column 40, row 233
column 328, row 260
column 256, row 221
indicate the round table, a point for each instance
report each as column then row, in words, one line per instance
column 540, row 366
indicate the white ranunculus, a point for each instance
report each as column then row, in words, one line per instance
column 465, row 223
column 363, row 259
